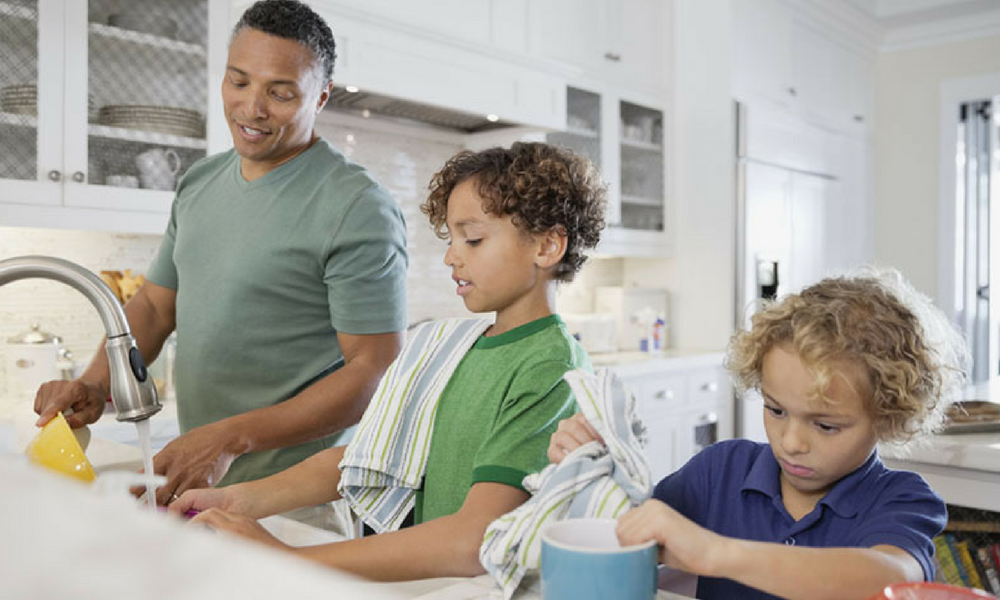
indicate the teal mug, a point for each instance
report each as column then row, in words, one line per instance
column 582, row 560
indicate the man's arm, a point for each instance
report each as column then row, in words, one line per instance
column 151, row 317
column 785, row 571
column 445, row 547
column 201, row 457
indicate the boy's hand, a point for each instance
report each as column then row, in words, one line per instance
column 570, row 435
column 245, row 527
column 202, row 499
column 683, row 543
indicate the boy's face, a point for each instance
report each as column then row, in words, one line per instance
column 271, row 96
column 493, row 263
column 815, row 442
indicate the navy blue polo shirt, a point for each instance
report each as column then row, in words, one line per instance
column 732, row 488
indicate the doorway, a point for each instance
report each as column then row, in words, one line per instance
column 977, row 311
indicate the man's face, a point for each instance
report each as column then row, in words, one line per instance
column 271, row 94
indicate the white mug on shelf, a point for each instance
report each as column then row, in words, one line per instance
column 158, row 168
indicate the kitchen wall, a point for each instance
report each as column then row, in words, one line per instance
column 56, row 307
column 907, row 151
column 704, row 167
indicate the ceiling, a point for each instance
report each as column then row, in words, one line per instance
column 908, row 23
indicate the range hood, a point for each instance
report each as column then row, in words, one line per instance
column 357, row 103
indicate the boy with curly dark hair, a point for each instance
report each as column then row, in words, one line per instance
column 466, row 410
column 845, row 363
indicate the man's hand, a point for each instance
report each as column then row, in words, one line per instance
column 570, row 435
column 197, row 459
column 86, row 399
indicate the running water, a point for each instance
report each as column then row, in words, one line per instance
column 147, row 461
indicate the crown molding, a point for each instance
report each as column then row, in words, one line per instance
column 843, row 20
column 947, row 31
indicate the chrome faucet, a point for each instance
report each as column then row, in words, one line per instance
column 132, row 390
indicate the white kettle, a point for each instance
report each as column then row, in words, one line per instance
column 33, row 358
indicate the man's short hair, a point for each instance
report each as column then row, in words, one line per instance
column 293, row 20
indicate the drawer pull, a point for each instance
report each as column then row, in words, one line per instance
column 710, row 386
column 664, row 395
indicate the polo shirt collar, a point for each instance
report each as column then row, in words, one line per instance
column 763, row 475
column 847, row 494
column 844, row 499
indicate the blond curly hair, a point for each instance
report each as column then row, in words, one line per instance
column 540, row 186
column 912, row 358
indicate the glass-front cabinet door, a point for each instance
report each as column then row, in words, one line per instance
column 641, row 164
column 626, row 141
column 30, row 101
column 141, row 123
column 103, row 104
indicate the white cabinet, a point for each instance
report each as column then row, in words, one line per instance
column 621, row 41
column 95, row 85
column 685, row 404
column 831, row 82
column 383, row 56
column 626, row 140
column 786, row 58
column 761, row 60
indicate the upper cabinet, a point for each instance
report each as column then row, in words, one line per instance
column 625, row 138
column 469, row 56
column 795, row 62
column 620, row 41
column 105, row 109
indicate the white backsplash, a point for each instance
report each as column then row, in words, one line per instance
column 403, row 159
column 56, row 307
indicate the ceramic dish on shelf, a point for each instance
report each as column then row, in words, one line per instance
column 972, row 416
column 23, row 99
column 162, row 119
column 145, row 22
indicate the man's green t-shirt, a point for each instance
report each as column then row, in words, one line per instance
column 497, row 412
column 266, row 273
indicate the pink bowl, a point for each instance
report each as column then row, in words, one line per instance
column 929, row 591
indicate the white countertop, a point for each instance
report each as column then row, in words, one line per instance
column 97, row 544
column 628, row 363
column 976, row 451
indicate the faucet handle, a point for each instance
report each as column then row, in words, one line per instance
column 132, row 390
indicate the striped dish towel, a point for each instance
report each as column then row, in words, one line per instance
column 384, row 463
column 595, row 480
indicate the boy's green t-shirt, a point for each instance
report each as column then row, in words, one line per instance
column 497, row 412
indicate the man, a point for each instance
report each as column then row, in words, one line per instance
column 282, row 270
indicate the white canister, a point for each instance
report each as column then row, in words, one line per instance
column 33, row 358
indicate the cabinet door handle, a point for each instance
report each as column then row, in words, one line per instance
column 708, row 418
column 55, row 175
column 612, row 56
column 710, row 386
column 79, row 177
column 665, row 395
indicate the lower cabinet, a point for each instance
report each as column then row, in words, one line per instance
column 685, row 404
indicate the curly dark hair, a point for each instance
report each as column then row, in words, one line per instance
column 292, row 20
column 540, row 186
column 910, row 357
